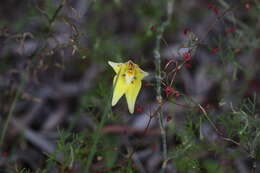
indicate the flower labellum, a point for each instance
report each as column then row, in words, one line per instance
column 128, row 81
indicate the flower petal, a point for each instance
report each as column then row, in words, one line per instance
column 119, row 88
column 115, row 66
column 144, row 73
column 140, row 74
column 131, row 94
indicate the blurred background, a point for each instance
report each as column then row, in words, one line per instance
column 56, row 86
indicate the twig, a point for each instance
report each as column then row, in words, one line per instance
column 212, row 24
column 51, row 21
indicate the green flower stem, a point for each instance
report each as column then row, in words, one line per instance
column 98, row 133
column 96, row 138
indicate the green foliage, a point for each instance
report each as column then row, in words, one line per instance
column 244, row 122
column 212, row 166
column 24, row 170
column 75, row 147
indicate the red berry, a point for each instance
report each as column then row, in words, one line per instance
column 153, row 28
column 216, row 10
column 168, row 118
column 168, row 90
column 248, row 6
column 177, row 94
column 214, row 50
column 186, row 31
column 210, row 6
column 139, row 109
column 186, row 56
column 236, row 51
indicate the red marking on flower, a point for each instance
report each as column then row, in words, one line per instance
column 186, row 31
column 248, row 6
column 168, row 118
column 230, row 30
column 168, row 90
column 187, row 65
column 186, row 56
column 177, row 94
column 210, row 6
column 214, row 50
column 139, row 109
column 153, row 28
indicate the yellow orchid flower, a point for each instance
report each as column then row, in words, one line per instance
column 128, row 81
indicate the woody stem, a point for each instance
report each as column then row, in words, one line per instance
column 157, row 57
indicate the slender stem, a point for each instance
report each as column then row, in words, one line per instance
column 57, row 11
column 98, row 132
column 159, row 94
column 157, row 57
column 164, row 141
column 10, row 114
column 96, row 139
